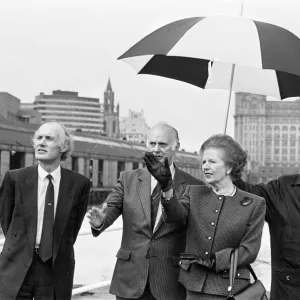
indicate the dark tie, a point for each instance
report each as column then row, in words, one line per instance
column 155, row 198
column 46, row 244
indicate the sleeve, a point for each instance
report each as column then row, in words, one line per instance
column 175, row 210
column 82, row 207
column 114, row 206
column 250, row 244
column 7, row 202
column 270, row 191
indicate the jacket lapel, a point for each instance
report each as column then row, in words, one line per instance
column 144, row 191
column 179, row 187
column 66, row 195
column 29, row 191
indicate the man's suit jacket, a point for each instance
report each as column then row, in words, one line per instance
column 215, row 226
column 18, row 216
column 145, row 254
column 283, row 214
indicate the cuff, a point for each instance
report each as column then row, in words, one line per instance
column 98, row 228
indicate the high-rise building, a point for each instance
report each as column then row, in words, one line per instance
column 75, row 112
column 134, row 127
column 111, row 127
column 270, row 132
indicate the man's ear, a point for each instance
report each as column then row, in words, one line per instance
column 64, row 147
column 176, row 147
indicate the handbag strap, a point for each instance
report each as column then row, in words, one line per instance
column 233, row 268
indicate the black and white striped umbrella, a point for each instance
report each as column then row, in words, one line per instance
column 222, row 52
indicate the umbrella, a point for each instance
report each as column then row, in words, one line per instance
column 222, row 52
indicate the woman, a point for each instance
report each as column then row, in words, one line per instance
column 219, row 217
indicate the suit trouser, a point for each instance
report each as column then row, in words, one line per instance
column 147, row 295
column 38, row 282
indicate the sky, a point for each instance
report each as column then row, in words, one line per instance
column 73, row 45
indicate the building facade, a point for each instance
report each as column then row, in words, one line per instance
column 74, row 112
column 12, row 110
column 134, row 127
column 100, row 158
column 270, row 132
column 111, row 127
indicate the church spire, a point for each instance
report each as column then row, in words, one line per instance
column 108, row 88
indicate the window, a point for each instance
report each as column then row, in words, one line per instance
column 121, row 167
column 74, row 163
column 100, row 173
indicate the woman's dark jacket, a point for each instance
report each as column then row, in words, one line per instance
column 215, row 226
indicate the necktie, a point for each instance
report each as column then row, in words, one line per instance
column 155, row 198
column 46, row 244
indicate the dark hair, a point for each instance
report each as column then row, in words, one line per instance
column 234, row 155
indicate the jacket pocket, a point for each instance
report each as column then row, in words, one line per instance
column 123, row 254
column 240, row 274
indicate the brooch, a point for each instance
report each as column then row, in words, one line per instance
column 246, row 201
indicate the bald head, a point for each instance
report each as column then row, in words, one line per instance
column 163, row 141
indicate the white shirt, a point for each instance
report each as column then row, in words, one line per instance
column 43, row 182
column 153, row 184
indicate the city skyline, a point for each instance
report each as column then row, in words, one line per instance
column 74, row 45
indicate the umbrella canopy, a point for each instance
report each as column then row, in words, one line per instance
column 204, row 51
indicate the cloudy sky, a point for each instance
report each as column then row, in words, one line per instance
column 73, row 45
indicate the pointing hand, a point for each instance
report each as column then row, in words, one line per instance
column 160, row 171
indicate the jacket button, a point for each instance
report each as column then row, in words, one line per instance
column 206, row 253
column 209, row 238
column 147, row 256
column 216, row 211
column 220, row 198
column 287, row 277
column 238, row 275
column 212, row 223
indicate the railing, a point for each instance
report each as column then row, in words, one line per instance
column 88, row 287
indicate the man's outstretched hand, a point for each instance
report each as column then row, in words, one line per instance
column 160, row 171
column 96, row 215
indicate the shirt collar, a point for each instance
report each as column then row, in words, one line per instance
column 55, row 174
column 172, row 169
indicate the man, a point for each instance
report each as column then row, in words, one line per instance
column 41, row 211
column 283, row 216
column 147, row 264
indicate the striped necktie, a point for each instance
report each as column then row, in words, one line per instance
column 155, row 198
